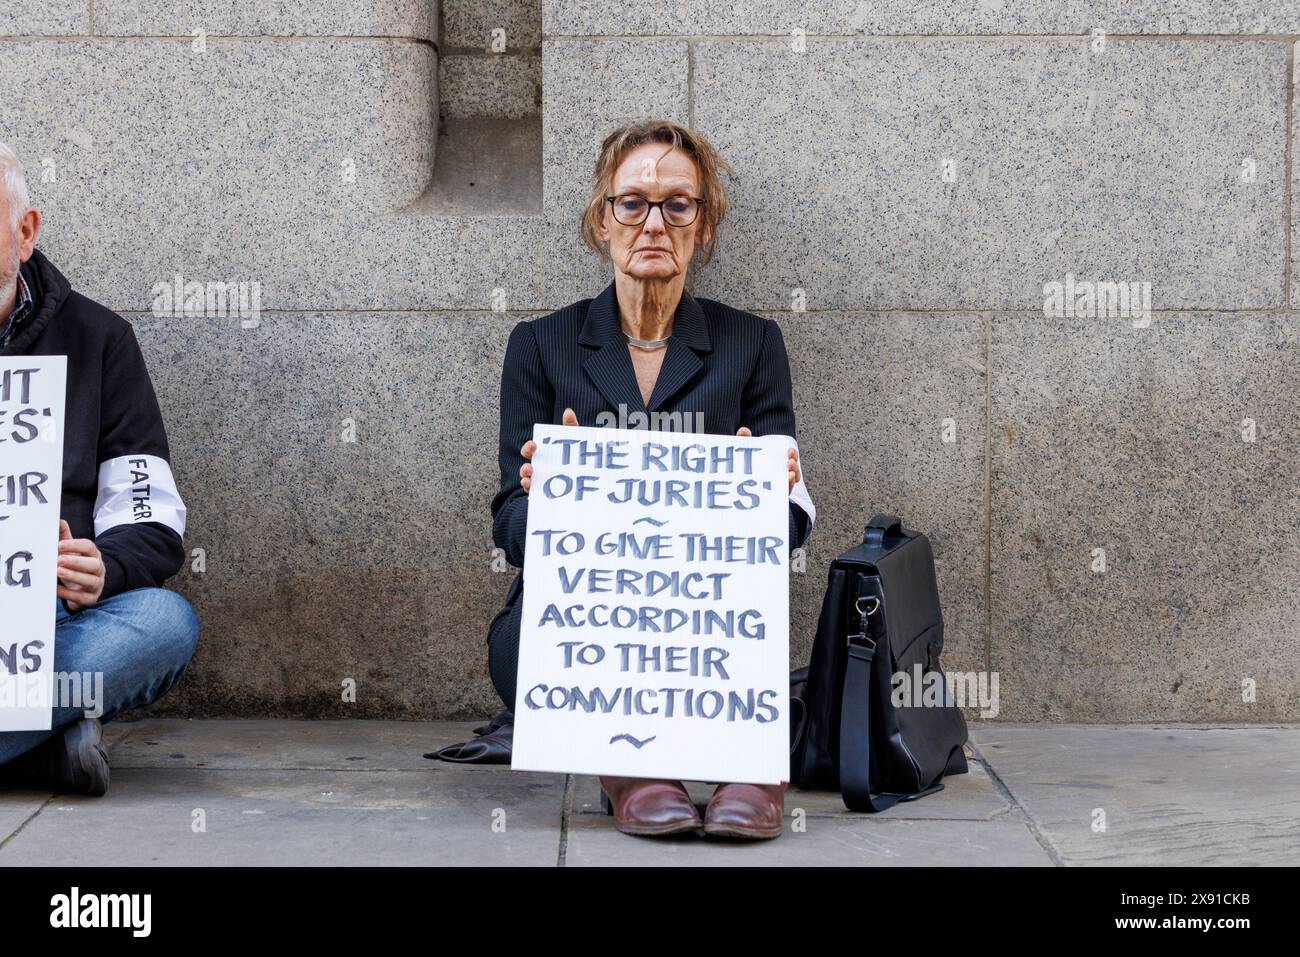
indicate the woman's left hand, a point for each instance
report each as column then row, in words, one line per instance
column 793, row 464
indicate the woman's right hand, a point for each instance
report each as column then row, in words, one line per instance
column 526, row 470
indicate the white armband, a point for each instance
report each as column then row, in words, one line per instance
column 138, row 488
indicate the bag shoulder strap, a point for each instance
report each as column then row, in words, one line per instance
column 855, row 734
column 855, row 713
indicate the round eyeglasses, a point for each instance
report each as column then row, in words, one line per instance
column 633, row 210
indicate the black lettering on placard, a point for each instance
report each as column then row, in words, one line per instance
column 10, row 657
column 22, row 490
column 17, row 570
column 16, row 385
column 25, row 492
column 605, row 612
column 22, row 428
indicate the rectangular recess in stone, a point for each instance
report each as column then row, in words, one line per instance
column 413, row 19
column 501, row 86
column 1146, row 530
column 953, row 174
column 472, row 24
column 487, row 166
column 490, row 124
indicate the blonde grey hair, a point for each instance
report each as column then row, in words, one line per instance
column 14, row 184
column 708, row 161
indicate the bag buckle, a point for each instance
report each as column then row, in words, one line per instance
column 873, row 606
column 867, row 612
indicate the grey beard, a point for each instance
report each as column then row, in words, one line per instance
column 9, row 281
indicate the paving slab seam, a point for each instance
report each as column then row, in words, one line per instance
column 566, row 809
column 1021, row 810
column 31, row 817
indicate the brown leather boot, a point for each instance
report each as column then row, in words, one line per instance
column 746, row 810
column 648, row 806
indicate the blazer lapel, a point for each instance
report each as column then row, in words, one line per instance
column 610, row 368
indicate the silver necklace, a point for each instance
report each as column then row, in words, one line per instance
column 645, row 343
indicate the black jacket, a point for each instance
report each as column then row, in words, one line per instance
column 724, row 368
column 118, row 487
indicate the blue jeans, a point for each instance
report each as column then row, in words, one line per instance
column 140, row 640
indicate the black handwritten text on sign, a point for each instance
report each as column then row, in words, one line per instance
column 655, row 634
column 32, row 393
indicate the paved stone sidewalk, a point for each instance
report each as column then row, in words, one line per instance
column 359, row 792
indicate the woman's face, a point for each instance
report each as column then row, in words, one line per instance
column 653, row 249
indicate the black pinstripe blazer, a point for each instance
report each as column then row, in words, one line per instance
column 724, row 368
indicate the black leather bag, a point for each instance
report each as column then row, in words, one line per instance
column 880, row 617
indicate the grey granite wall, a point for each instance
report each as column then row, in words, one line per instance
column 1113, row 499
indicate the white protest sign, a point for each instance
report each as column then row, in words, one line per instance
column 31, row 487
column 655, row 636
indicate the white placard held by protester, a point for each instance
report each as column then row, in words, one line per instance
column 655, row 626
column 32, row 399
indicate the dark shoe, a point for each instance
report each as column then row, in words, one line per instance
column 494, row 747
column 78, row 760
column 648, row 806
column 746, row 810
column 500, row 719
